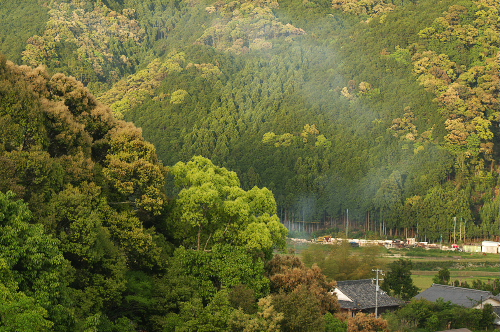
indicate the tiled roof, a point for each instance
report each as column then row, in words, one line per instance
column 496, row 310
column 361, row 294
column 465, row 297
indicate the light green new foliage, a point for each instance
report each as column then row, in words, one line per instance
column 212, row 208
column 134, row 89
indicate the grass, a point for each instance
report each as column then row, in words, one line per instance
column 422, row 282
column 472, row 266
column 423, row 279
column 463, row 266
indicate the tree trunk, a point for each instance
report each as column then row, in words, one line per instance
column 199, row 237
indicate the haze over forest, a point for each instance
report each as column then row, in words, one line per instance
column 138, row 138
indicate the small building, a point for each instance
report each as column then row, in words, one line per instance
column 361, row 296
column 490, row 247
column 465, row 297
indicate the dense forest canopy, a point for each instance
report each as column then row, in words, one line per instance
column 152, row 152
column 372, row 107
column 87, row 230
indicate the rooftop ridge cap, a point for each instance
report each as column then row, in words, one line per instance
column 464, row 288
column 357, row 280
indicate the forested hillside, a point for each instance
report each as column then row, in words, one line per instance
column 89, row 239
column 151, row 152
column 384, row 109
column 388, row 110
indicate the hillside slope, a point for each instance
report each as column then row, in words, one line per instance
column 388, row 111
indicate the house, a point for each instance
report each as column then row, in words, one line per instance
column 465, row 297
column 361, row 296
column 457, row 330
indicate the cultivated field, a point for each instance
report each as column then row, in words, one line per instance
column 426, row 263
column 462, row 266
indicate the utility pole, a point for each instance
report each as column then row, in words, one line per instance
column 460, row 237
column 454, row 229
column 465, row 231
column 376, row 291
column 347, row 225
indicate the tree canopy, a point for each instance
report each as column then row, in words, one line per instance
column 152, row 153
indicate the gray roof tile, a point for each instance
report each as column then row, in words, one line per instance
column 465, row 297
column 362, row 292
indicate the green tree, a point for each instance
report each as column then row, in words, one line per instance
column 82, row 38
column 266, row 318
column 15, row 31
column 301, row 310
column 212, row 208
column 442, row 277
column 215, row 316
column 432, row 316
column 34, row 273
column 196, row 276
column 487, row 317
column 389, row 200
column 334, row 324
column 19, row 312
column 398, row 281
column 413, row 315
column 77, row 216
column 133, row 169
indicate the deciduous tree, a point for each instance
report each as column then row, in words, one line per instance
column 212, row 208
column 442, row 277
column 398, row 280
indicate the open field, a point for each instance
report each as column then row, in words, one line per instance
column 462, row 266
column 426, row 263
column 423, row 279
